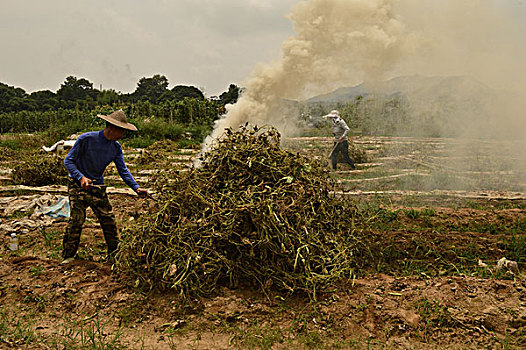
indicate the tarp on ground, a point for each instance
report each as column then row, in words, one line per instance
column 36, row 211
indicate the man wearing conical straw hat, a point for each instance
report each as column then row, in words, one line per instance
column 86, row 161
column 341, row 143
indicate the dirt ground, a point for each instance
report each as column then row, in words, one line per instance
column 46, row 305
column 433, row 285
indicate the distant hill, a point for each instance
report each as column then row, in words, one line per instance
column 340, row 95
column 429, row 106
column 414, row 86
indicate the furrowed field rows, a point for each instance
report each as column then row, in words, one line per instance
column 416, row 165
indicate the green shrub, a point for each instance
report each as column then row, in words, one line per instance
column 21, row 141
column 157, row 129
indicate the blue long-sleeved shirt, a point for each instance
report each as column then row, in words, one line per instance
column 90, row 156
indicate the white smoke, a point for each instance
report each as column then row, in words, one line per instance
column 346, row 42
column 337, row 43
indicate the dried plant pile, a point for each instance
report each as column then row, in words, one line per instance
column 252, row 215
column 163, row 145
column 357, row 154
column 6, row 153
column 40, row 169
column 157, row 152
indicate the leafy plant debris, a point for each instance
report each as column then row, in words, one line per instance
column 40, row 169
column 6, row 153
column 251, row 214
column 156, row 152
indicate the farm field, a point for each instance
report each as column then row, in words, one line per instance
column 442, row 213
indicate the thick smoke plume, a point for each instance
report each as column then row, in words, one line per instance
column 479, row 44
column 481, row 40
column 337, row 42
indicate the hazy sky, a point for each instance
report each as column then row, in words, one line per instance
column 212, row 43
column 205, row 43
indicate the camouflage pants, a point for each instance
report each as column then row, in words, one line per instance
column 79, row 201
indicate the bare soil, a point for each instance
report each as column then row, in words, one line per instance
column 372, row 310
column 431, row 281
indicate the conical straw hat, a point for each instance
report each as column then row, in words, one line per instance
column 118, row 118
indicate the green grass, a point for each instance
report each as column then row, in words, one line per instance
column 139, row 142
column 36, row 270
column 256, row 336
column 433, row 315
column 92, row 334
column 16, row 215
column 52, row 243
column 17, row 330
column 159, row 129
column 515, row 247
column 130, row 313
column 21, row 141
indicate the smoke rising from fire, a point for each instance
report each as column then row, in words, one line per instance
column 480, row 38
column 346, row 42
column 337, row 42
column 481, row 42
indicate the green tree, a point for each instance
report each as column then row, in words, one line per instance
column 11, row 98
column 74, row 89
column 179, row 92
column 109, row 97
column 151, row 89
column 45, row 99
column 182, row 91
column 42, row 95
column 231, row 95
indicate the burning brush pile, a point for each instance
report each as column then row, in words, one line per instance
column 253, row 214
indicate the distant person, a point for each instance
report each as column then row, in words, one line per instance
column 341, row 143
column 86, row 162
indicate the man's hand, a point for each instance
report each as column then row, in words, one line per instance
column 85, row 183
column 340, row 139
column 142, row 192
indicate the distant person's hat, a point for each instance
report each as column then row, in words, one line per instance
column 118, row 118
column 333, row 114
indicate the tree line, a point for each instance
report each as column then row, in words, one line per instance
column 74, row 106
column 79, row 93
